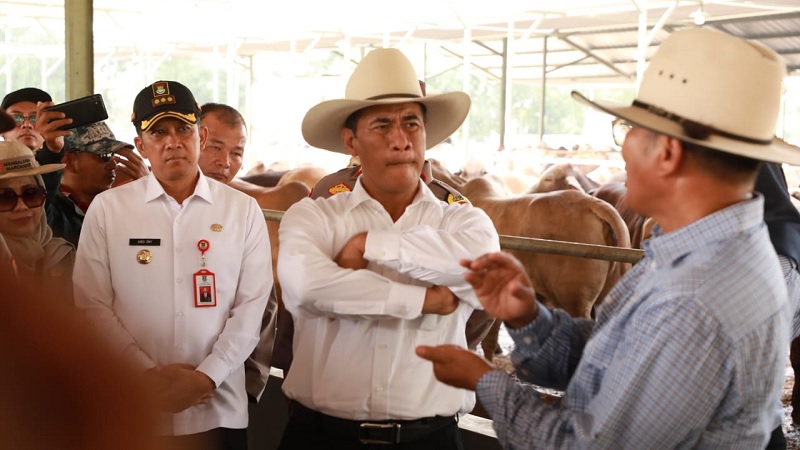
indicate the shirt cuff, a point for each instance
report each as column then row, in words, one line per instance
column 532, row 334
column 405, row 300
column 489, row 389
column 215, row 369
column 382, row 246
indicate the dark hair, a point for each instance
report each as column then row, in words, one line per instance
column 726, row 165
column 226, row 114
column 352, row 119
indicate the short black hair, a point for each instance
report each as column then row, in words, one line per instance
column 725, row 164
column 226, row 114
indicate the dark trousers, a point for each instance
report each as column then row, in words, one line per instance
column 304, row 435
column 777, row 441
column 216, row 439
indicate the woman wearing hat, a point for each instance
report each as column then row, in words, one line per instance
column 35, row 255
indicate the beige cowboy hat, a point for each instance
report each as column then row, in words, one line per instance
column 731, row 86
column 384, row 76
column 17, row 160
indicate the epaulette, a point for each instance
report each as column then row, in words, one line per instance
column 447, row 193
column 340, row 181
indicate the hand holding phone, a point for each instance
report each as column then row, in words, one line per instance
column 82, row 111
column 49, row 126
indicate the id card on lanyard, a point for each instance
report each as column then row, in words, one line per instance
column 205, row 285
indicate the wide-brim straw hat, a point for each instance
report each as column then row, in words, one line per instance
column 17, row 160
column 729, row 85
column 384, row 76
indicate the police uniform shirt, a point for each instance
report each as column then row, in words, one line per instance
column 148, row 311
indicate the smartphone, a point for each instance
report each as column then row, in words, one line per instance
column 82, row 111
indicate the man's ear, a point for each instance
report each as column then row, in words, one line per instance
column 70, row 159
column 137, row 141
column 348, row 140
column 671, row 154
column 203, row 133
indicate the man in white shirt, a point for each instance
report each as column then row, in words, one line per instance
column 151, row 249
column 368, row 274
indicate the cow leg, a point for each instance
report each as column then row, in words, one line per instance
column 794, row 357
column 489, row 343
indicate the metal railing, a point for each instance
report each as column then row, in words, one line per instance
column 606, row 253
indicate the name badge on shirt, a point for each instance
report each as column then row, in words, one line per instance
column 144, row 241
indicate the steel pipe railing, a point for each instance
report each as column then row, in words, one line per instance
column 606, row 253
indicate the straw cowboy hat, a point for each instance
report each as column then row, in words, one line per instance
column 384, row 76
column 707, row 78
column 17, row 160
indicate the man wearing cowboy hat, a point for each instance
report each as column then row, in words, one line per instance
column 370, row 273
column 688, row 349
column 150, row 248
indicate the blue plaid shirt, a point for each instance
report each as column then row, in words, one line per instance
column 688, row 350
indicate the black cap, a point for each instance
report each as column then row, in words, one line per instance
column 6, row 122
column 28, row 94
column 164, row 99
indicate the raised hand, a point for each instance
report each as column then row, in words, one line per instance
column 47, row 126
column 503, row 288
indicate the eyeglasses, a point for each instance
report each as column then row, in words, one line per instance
column 33, row 197
column 620, row 129
column 105, row 157
column 20, row 119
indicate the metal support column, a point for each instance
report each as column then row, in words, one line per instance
column 79, row 40
column 505, row 97
column 544, row 90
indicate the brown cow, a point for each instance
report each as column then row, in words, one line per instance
column 307, row 175
column 278, row 198
column 559, row 177
column 570, row 283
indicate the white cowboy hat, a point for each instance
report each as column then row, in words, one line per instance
column 17, row 160
column 384, row 76
column 731, row 86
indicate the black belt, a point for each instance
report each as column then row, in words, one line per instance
column 371, row 431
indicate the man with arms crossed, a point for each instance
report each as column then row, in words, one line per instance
column 369, row 274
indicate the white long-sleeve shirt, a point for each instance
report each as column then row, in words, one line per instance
column 147, row 311
column 356, row 330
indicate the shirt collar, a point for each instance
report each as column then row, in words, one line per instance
column 360, row 195
column 154, row 189
column 666, row 248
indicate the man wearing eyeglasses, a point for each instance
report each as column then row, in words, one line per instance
column 37, row 129
column 689, row 348
column 26, row 107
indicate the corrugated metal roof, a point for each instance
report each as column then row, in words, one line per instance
column 587, row 40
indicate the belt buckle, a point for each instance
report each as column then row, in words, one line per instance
column 379, row 433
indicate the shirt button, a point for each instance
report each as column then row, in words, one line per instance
column 381, row 346
column 379, row 389
column 178, row 280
